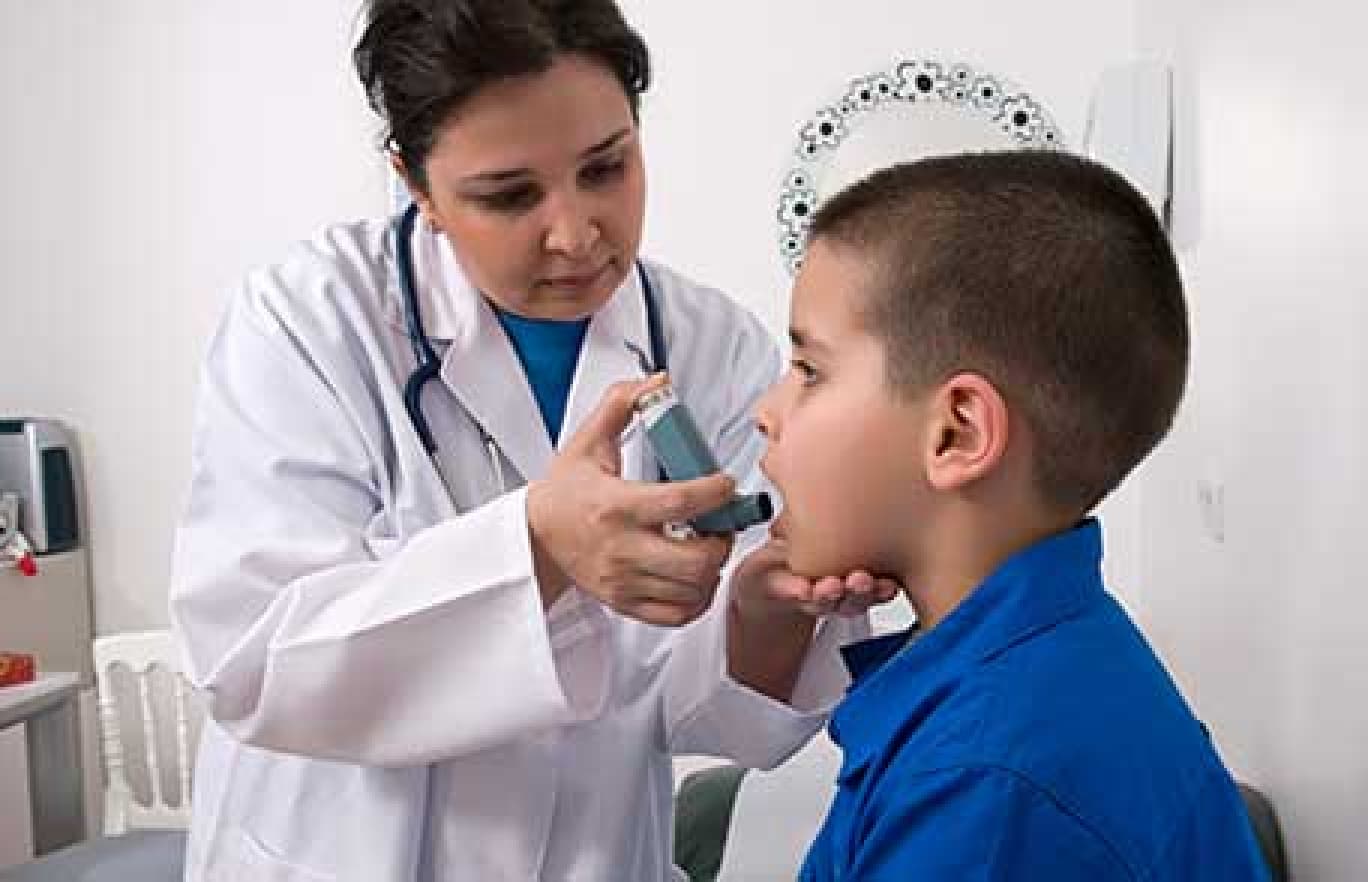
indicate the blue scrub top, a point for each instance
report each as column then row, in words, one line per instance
column 1031, row 735
column 549, row 349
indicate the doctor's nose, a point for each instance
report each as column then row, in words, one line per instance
column 572, row 229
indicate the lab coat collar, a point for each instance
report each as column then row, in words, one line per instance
column 1030, row 593
column 481, row 367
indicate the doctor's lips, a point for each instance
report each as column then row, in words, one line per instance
column 577, row 280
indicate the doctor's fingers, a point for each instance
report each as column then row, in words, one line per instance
column 696, row 561
column 657, row 600
column 671, row 582
column 599, row 433
column 672, row 502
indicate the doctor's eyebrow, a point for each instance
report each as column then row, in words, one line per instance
column 504, row 175
column 608, row 143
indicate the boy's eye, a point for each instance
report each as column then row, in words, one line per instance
column 514, row 199
column 603, row 172
column 806, row 372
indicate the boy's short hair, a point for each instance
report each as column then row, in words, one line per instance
column 1047, row 274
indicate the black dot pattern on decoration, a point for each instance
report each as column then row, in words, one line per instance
column 908, row 82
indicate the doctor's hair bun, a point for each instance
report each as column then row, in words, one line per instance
column 419, row 60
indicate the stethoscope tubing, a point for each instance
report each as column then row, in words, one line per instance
column 428, row 365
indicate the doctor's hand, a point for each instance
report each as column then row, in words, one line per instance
column 591, row 528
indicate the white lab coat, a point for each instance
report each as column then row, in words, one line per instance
column 389, row 700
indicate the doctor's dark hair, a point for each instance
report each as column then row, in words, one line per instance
column 1045, row 273
column 420, row 60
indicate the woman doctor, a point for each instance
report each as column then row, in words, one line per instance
column 477, row 664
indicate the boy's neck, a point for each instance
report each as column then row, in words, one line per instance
column 964, row 547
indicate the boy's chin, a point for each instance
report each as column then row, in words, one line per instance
column 811, row 560
column 811, row 564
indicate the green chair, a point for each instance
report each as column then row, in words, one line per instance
column 1266, row 831
column 703, row 812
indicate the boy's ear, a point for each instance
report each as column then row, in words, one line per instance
column 968, row 425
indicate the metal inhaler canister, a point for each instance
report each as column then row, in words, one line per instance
column 684, row 455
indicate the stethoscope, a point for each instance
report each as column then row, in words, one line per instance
column 428, row 365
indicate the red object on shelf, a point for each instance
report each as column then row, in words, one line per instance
column 28, row 565
column 16, row 668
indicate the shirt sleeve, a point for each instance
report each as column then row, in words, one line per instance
column 970, row 825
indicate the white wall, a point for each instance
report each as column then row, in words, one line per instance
column 734, row 80
column 153, row 151
column 1265, row 629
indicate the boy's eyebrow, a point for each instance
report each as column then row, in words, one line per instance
column 803, row 340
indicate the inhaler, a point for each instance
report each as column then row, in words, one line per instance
column 684, row 455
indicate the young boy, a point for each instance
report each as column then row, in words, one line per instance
column 984, row 347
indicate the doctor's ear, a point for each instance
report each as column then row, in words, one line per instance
column 967, row 423
column 423, row 200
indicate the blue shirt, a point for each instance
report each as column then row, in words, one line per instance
column 1031, row 735
column 549, row 350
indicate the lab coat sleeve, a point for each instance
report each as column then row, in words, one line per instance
column 706, row 710
column 302, row 637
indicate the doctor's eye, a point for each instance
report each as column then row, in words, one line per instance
column 512, row 200
column 603, row 172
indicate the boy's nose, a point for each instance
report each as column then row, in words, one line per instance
column 765, row 415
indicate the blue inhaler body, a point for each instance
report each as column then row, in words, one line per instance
column 684, row 455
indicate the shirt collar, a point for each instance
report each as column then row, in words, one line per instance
column 1030, row 592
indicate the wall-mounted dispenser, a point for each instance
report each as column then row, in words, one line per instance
column 36, row 463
